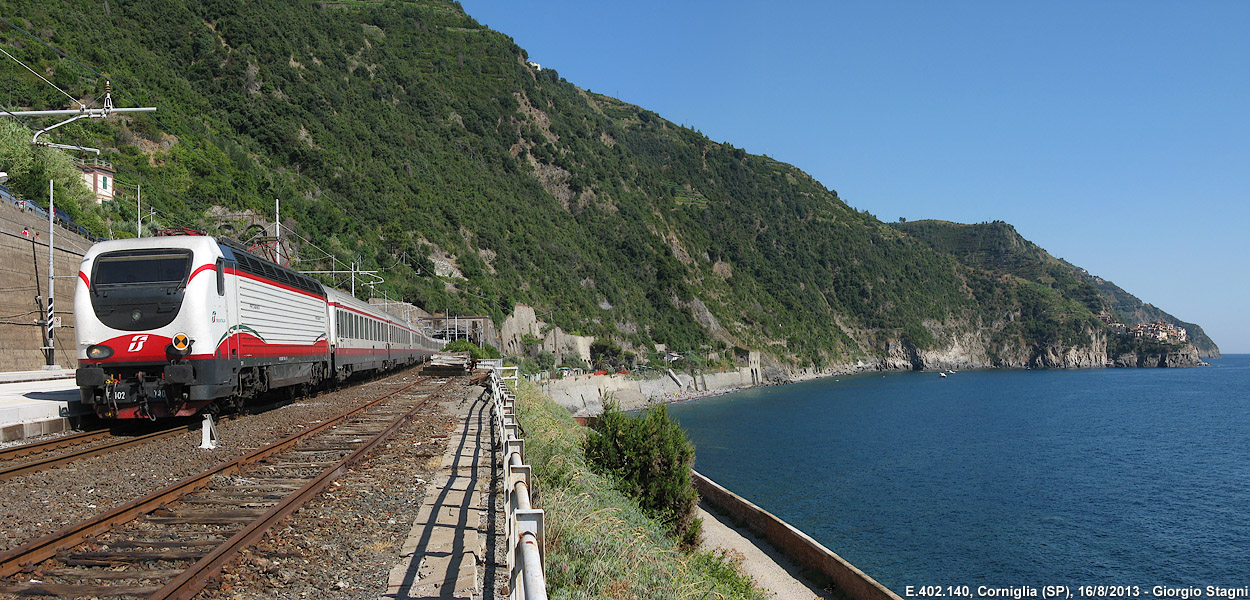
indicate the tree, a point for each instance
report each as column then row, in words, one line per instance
column 650, row 459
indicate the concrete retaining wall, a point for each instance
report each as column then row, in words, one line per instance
column 585, row 395
column 795, row 544
column 21, row 431
column 20, row 336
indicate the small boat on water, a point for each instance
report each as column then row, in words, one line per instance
column 942, row 375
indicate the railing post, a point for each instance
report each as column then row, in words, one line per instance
column 525, row 526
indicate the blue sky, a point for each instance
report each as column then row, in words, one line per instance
column 1114, row 134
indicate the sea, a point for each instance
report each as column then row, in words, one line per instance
column 1000, row 479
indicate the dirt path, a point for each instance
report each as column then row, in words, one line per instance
column 771, row 570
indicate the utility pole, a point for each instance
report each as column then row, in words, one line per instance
column 74, row 115
column 138, row 211
column 354, row 272
column 277, row 232
column 34, row 256
column 51, row 348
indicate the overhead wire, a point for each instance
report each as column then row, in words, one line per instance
column 45, row 79
column 133, row 100
column 211, row 164
column 47, row 45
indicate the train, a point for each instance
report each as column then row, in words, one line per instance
column 178, row 325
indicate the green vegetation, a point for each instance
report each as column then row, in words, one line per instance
column 407, row 138
column 1133, row 311
column 599, row 543
column 30, row 167
column 1059, row 298
column 1122, row 344
column 649, row 457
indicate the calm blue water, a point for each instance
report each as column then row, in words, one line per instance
column 1001, row 478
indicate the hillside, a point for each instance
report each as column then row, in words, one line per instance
column 998, row 247
column 408, row 139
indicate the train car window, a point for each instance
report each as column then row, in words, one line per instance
column 142, row 267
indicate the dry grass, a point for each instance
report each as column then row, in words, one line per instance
column 599, row 544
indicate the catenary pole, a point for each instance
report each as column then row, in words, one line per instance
column 51, row 215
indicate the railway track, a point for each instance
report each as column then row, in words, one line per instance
column 73, row 439
column 7, row 455
column 8, row 471
column 170, row 543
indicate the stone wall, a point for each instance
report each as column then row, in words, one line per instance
column 798, row 546
column 20, row 335
column 585, row 395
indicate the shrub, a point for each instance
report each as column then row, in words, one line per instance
column 599, row 543
column 650, row 459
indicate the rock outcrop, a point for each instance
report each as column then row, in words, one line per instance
column 1186, row 356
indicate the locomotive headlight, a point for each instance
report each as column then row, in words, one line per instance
column 136, row 314
column 98, row 352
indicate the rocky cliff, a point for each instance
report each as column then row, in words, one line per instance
column 969, row 347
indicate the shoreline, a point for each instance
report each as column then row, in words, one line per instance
column 585, row 395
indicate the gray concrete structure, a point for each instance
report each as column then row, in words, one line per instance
column 21, row 258
column 37, row 403
column 441, row 555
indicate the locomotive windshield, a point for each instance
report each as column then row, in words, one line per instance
column 149, row 267
column 137, row 290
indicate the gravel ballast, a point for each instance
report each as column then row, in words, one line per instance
column 341, row 545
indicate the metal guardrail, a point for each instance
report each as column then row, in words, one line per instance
column 525, row 525
column 505, row 373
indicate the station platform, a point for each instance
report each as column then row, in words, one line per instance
column 37, row 402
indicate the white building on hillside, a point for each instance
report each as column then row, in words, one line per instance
column 98, row 174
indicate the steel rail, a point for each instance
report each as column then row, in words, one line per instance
column 36, row 551
column 54, row 461
column 80, row 437
column 191, row 581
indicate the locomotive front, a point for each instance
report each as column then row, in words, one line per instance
column 148, row 315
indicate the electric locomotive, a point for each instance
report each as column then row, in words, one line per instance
column 171, row 326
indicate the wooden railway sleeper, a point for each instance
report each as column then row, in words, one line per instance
column 87, row 535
